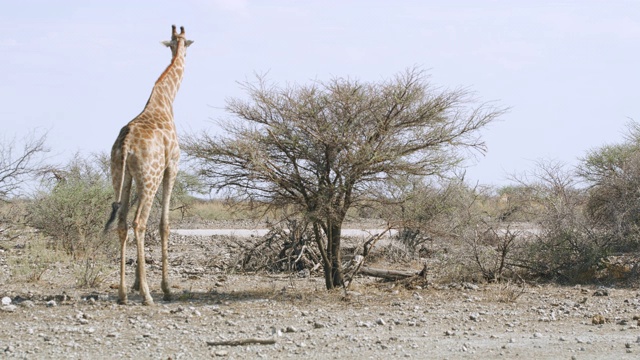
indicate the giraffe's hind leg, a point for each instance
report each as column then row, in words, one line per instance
column 167, row 187
column 123, row 234
column 139, row 228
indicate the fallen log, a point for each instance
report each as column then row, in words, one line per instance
column 390, row 274
column 239, row 342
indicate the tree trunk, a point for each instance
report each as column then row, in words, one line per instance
column 334, row 236
column 331, row 257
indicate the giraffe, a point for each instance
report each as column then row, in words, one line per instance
column 147, row 152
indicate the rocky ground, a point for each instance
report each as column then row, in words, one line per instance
column 281, row 316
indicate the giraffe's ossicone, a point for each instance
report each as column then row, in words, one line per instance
column 146, row 152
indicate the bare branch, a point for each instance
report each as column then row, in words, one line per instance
column 16, row 167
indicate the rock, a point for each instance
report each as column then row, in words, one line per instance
column 364, row 324
column 27, row 304
column 6, row 300
column 8, row 308
column 318, row 325
column 275, row 331
column 601, row 292
column 470, row 286
column 474, row 317
column 380, row 321
column 221, row 353
column 290, row 329
column 598, row 320
column 51, row 303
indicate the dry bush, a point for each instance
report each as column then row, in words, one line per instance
column 565, row 246
column 72, row 207
column 492, row 251
column 287, row 247
column 456, row 228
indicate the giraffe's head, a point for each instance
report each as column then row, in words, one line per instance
column 177, row 40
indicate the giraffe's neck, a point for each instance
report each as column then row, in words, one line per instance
column 166, row 87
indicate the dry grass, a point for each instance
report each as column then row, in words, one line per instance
column 37, row 260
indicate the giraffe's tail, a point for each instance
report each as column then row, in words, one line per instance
column 114, row 211
column 123, row 168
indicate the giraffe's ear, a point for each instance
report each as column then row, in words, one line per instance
column 166, row 43
column 187, row 43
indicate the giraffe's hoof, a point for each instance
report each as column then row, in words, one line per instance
column 122, row 301
column 148, row 302
column 167, row 297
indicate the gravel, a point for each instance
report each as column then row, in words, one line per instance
column 52, row 318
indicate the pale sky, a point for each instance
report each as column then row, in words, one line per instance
column 569, row 70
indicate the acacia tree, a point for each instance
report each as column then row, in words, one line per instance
column 319, row 148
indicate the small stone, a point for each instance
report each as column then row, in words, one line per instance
column 290, row 329
column 474, row 317
column 601, row 292
column 318, row 325
column 275, row 331
column 449, row 333
column 27, row 304
column 221, row 353
column 598, row 320
column 470, row 286
column 380, row 321
column 8, row 308
column 537, row 335
column 6, row 300
column 51, row 303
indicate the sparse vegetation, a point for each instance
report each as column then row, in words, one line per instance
column 308, row 159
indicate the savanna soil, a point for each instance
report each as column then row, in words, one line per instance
column 51, row 317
